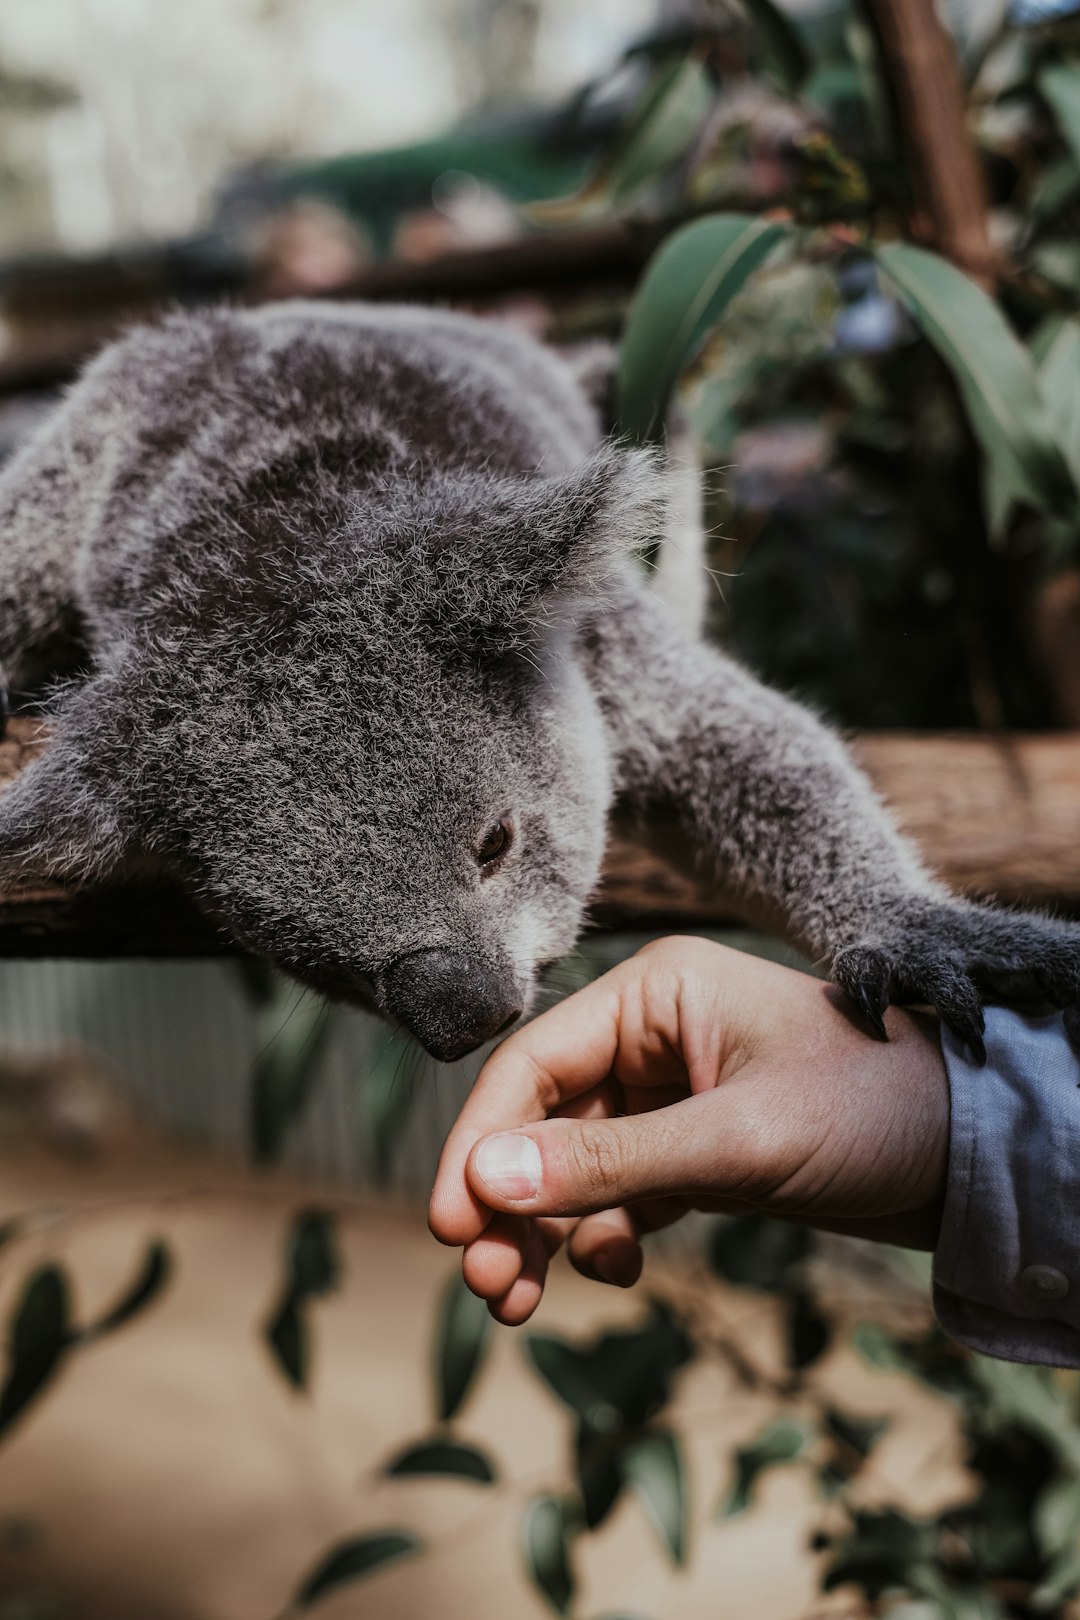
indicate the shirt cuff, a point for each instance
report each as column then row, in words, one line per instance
column 1007, row 1266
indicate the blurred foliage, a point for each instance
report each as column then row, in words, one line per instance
column 42, row 1332
column 894, row 462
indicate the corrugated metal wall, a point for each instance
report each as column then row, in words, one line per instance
column 179, row 1038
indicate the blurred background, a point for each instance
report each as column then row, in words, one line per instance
column 241, row 1379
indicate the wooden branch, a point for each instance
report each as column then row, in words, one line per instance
column 994, row 817
column 919, row 62
column 555, row 264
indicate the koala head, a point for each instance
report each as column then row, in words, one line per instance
column 360, row 730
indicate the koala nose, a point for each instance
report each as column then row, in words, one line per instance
column 451, row 1001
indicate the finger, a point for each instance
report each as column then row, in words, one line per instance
column 492, row 1263
column 540, row 1068
column 524, row 1294
column 496, row 1259
column 605, row 1248
column 698, row 1147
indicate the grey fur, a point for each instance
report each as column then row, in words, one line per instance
column 350, row 585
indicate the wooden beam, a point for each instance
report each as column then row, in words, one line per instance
column 554, row 265
column 995, row 817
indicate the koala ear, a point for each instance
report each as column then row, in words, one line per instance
column 522, row 555
column 54, row 821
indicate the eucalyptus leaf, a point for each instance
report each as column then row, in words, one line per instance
column 786, row 58
column 292, row 1029
column 658, row 134
column 312, row 1249
column 1056, row 347
column 783, row 1441
column 598, row 1454
column 152, row 1278
column 755, row 1252
column 994, row 372
column 40, row 1334
column 687, row 286
column 653, row 1466
column 1056, row 1517
column 546, row 1532
column 450, row 1459
column 1061, row 1581
column 312, row 1270
column 878, row 1347
column 287, row 1336
column 461, row 1342
column 353, row 1559
column 858, row 1434
column 1059, row 86
column 669, row 119
column 568, row 1373
column 809, row 1333
column 385, row 1098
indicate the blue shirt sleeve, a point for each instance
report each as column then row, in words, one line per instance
column 1007, row 1266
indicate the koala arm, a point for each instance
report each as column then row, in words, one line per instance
column 771, row 799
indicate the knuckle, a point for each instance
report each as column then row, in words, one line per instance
column 596, row 1161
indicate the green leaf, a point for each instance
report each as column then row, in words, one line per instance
column 653, row 1467
column 993, row 371
column 546, row 1534
column 148, row 1284
column 755, row 1252
column 598, row 1456
column 879, row 1348
column 292, row 1028
column 809, row 1333
column 786, row 59
column 860, row 1435
column 40, row 1335
column 1054, row 190
column 1056, row 1518
column 287, row 1336
column 312, row 1270
column 657, row 136
column 449, row 1458
column 782, row 1442
column 568, row 1373
column 669, row 118
column 687, row 286
column 461, row 1342
column 312, row 1251
column 1056, row 347
column 385, row 1098
column 1059, row 85
column 1061, row 1581
column 620, row 1379
column 351, row 1560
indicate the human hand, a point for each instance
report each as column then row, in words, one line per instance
column 689, row 1077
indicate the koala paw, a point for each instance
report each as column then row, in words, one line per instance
column 958, row 957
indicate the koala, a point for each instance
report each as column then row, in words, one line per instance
column 355, row 645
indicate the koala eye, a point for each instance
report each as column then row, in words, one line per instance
column 494, row 844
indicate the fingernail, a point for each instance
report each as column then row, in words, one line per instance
column 510, row 1165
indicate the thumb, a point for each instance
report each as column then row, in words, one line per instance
column 576, row 1167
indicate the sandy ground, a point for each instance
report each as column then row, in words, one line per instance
column 169, row 1473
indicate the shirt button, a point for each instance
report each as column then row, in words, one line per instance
column 1044, row 1282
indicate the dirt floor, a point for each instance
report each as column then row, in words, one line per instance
column 170, row 1473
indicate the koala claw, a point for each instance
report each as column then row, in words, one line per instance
column 957, row 957
column 863, row 974
column 873, row 978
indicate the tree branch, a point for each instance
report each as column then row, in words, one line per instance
column 994, row 817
